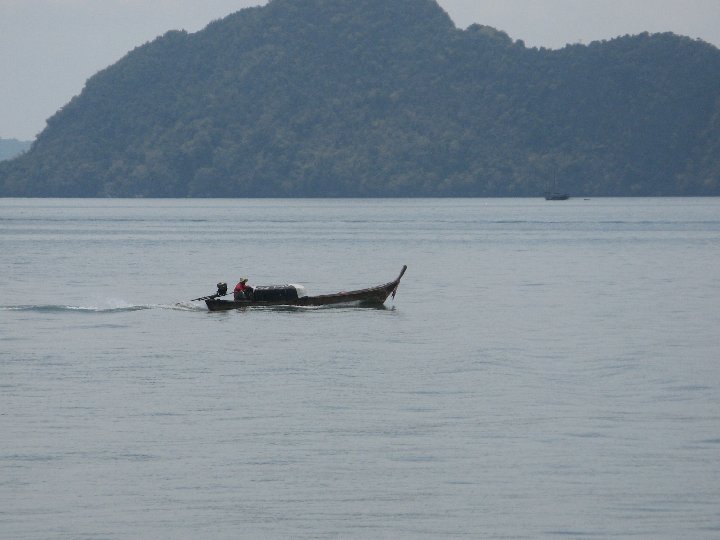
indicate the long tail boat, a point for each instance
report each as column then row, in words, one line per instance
column 294, row 295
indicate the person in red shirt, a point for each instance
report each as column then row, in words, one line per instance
column 242, row 291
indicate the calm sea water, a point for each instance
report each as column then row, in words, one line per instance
column 547, row 369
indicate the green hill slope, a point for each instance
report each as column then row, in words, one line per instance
column 377, row 98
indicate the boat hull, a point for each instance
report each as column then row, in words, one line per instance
column 370, row 296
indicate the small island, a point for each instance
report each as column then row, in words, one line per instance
column 11, row 148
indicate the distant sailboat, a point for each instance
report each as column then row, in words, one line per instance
column 555, row 195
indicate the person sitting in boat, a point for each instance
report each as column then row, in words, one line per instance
column 243, row 291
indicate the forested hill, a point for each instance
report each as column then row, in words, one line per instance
column 378, row 98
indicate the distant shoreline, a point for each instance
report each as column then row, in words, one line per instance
column 320, row 198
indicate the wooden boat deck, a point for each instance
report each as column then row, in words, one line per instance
column 370, row 296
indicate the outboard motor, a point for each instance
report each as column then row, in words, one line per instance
column 221, row 289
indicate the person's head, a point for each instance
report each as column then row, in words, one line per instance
column 243, row 280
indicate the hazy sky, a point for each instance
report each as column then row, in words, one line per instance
column 48, row 48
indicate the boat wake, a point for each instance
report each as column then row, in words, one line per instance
column 100, row 309
column 181, row 306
